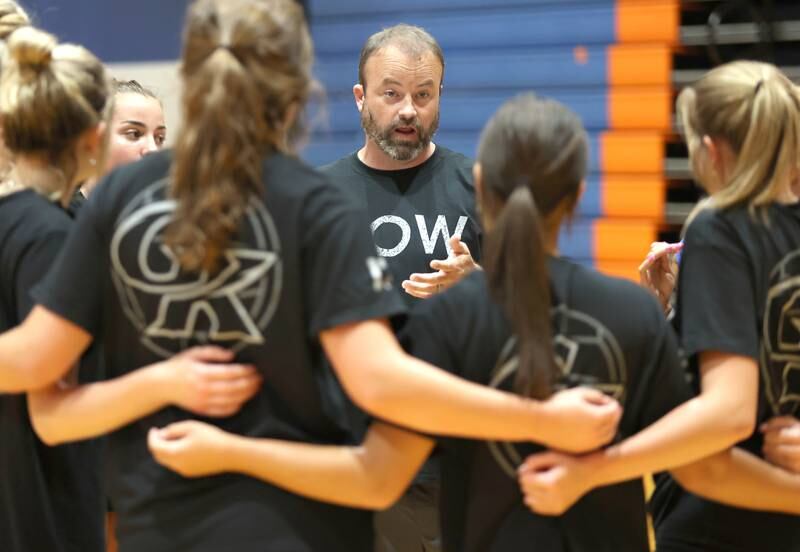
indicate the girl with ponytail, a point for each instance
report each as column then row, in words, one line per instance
column 734, row 313
column 54, row 104
column 531, row 323
column 736, row 290
column 230, row 240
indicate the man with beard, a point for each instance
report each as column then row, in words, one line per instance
column 418, row 194
column 421, row 202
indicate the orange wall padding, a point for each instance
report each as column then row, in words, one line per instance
column 632, row 152
column 621, row 239
column 633, row 195
column 634, row 64
column 645, row 21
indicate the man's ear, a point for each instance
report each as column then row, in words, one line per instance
column 477, row 175
column 358, row 95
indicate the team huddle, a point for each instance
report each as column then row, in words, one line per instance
column 228, row 349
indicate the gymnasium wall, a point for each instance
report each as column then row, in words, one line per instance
column 137, row 40
column 609, row 60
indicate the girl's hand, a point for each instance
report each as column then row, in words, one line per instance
column 191, row 448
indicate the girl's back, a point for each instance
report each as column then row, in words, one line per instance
column 738, row 293
column 300, row 263
column 608, row 334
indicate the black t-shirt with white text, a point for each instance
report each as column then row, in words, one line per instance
column 50, row 497
column 738, row 291
column 414, row 212
column 609, row 334
column 302, row 262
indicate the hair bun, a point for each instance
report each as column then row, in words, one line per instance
column 12, row 17
column 32, row 48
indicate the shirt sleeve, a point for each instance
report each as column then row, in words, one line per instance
column 425, row 333
column 664, row 384
column 73, row 288
column 716, row 302
column 345, row 279
column 34, row 266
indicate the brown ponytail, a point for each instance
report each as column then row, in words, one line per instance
column 245, row 64
column 533, row 157
column 517, row 274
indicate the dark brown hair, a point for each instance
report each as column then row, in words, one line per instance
column 409, row 38
column 245, row 62
column 533, row 155
column 133, row 87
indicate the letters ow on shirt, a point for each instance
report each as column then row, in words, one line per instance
column 428, row 240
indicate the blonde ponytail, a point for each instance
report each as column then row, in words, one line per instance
column 755, row 110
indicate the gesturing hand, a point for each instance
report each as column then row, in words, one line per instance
column 447, row 272
column 659, row 271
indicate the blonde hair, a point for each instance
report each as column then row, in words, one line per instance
column 245, row 63
column 755, row 110
column 12, row 17
column 50, row 94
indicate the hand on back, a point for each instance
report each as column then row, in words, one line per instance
column 782, row 442
column 579, row 420
column 190, row 448
column 205, row 381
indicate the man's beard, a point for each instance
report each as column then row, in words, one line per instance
column 399, row 150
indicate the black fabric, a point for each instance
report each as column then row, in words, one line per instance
column 606, row 331
column 50, row 497
column 75, row 203
column 737, row 293
column 301, row 262
column 412, row 523
column 413, row 212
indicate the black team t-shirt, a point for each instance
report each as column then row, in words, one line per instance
column 738, row 293
column 301, row 262
column 609, row 334
column 412, row 215
column 50, row 497
column 414, row 212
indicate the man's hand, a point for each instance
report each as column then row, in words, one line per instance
column 782, row 442
column 447, row 272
